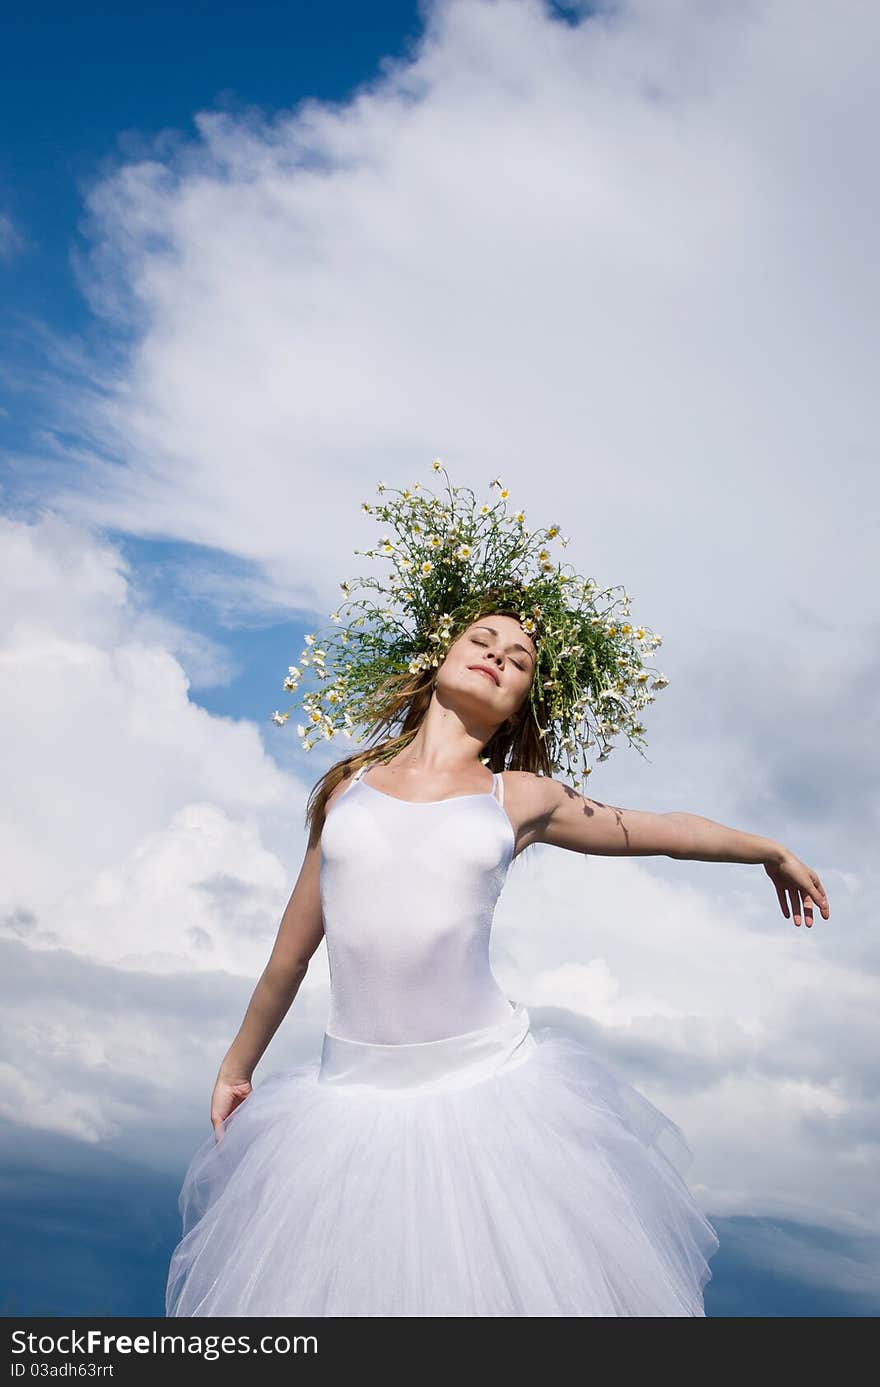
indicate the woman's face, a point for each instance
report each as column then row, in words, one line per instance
column 497, row 644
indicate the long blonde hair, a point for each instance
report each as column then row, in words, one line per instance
column 511, row 747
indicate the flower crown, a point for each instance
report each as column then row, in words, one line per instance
column 448, row 557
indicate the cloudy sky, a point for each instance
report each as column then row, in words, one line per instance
column 622, row 255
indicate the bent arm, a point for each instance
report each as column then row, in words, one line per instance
column 561, row 816
column 299, row 934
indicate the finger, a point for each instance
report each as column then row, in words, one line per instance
column 795, row 906
column 820, row 896
column 783, row 904
column 808, row 912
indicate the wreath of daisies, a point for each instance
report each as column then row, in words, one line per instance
column 446, row 555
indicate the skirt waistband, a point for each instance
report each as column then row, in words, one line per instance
column 455, row 1061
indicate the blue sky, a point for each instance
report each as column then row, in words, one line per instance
column 254, row 261
column 80, row 84
column 107, row 81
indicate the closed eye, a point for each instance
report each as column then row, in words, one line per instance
column 512, row 660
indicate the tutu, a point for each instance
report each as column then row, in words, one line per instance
column 498, row 1170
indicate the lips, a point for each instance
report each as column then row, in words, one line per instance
column 483, row 670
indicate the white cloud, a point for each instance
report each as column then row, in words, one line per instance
column 133, row 816
column 632, row 259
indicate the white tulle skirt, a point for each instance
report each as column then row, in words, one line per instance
column 503, row 1172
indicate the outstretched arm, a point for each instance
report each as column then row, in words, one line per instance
column 552, row 812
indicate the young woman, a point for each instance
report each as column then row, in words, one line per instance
column 445, row 1156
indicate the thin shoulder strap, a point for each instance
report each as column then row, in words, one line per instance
column 498, row 787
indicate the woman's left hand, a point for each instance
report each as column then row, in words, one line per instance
column 803, row 886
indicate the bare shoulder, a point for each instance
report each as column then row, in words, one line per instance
column 530, row 801
column 531, row 792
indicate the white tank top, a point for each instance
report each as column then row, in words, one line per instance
column 408, row 891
